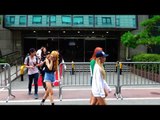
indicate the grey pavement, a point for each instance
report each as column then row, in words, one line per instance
column 86, row 102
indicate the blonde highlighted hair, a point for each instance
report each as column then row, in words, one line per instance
column 55, row 54
column 102, row 70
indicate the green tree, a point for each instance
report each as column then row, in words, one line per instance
column 149, row 36
column 129, row 40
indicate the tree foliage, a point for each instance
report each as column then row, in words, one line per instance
column 129, row 40
column 145, row 37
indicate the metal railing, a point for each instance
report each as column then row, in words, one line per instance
column 10, row 73
column 5, row 78
column 15, row 68
column 132, row 74
column 139, row 74
column 81, row 75
column 10, row 57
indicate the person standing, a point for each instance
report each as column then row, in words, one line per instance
column 92, row 64
column 98, row 81
column 39, row 52
column 42, row 67
column 31, row 62
column 51, row 63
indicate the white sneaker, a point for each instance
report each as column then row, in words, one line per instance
column 42, row 103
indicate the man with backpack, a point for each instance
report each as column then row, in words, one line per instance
column 31, row 62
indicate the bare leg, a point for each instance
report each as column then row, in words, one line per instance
column 49, row 88
column 46, row 94
column 93, row 100
column 101, row 101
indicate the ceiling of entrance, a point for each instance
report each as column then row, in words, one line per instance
column 71, row 34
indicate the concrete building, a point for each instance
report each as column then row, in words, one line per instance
column 75, row 36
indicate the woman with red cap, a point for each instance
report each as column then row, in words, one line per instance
column 92, row 64
column 99, row 84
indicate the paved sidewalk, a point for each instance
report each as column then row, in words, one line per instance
column 140, row 95
column 81, row 97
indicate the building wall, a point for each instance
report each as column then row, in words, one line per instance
column 122, row 55
column 11, row 41
column 6, row 42
column 140, row 48
column 17, row 39
column 83, row 21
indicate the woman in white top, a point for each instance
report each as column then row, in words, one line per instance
column 39, row 52
column 99, row 85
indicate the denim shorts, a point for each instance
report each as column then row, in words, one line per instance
column 49, row 77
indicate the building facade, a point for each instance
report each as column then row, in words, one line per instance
column 74, row 36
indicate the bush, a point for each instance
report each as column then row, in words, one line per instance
column 2, row 60
column 143, row 57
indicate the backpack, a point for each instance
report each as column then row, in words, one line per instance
column 28, row 60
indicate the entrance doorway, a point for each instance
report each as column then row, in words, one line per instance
column 28, row 43
column 72, row 49
column 90, row 45
column 37, row 43
column 110, row 46
column 79, row 50
column 50, row 43
column 74, row 46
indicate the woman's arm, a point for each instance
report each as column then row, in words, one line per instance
column 41, row 63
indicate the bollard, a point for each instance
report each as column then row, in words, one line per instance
column 120, row 64
column 73, row 66
column 117, row 66
column 22, row 71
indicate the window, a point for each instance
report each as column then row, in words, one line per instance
column 134, row 22
column 90, row 20
column 77, row 20
column 53, row 19
column 106, row 20
column 22, row 20
column 66, row 19
column 96, row 20
column 47, row 19
column 12, row 19
column 117, row 22
column 37, row 20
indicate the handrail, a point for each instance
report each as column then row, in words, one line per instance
column 9, row 54
column 10, row 57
